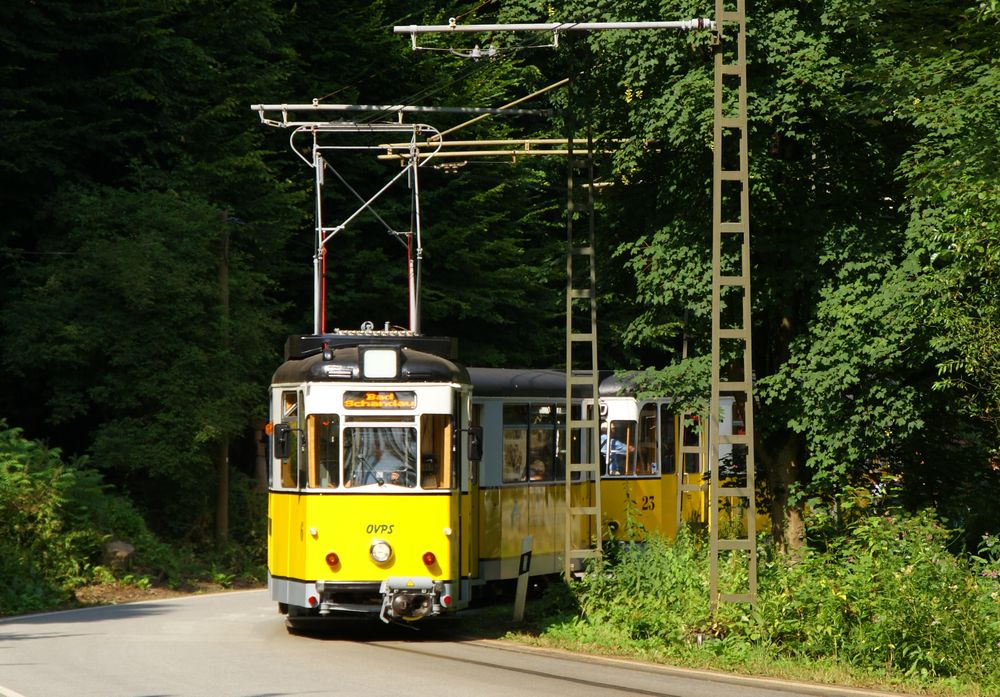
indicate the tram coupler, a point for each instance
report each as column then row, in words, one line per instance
column 409, row 598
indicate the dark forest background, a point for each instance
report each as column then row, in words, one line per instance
column 156, row 239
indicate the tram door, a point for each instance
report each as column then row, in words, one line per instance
column 666, row 446
column 469, row 495
column 648, row 493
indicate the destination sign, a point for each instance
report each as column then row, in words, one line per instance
column 380, row 400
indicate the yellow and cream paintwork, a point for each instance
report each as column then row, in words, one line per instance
column 633, row 505
column 306, row 524
column 474, row 528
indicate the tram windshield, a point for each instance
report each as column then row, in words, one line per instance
column 380, row 455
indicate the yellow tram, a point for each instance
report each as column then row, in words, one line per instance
column 401, row 482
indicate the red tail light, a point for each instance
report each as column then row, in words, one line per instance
column 429, row 559
column 332, row 559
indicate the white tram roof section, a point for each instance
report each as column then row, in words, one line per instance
column 343, row 364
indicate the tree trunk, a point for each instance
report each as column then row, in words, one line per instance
column 784, row 470
column 222, row 452
column 222, row 495
column 783, row 458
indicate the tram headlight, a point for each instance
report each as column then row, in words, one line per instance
column 380, row 551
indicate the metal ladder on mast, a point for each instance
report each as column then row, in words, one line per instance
column 731, row 297
column 697, row 451
column 581, row 330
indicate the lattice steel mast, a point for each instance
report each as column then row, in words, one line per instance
column 734, row 379
column 731, row 291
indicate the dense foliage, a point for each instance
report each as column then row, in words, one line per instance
column 57, row 517
column 874, row 221
column 888, row 600
column 156, row 246
column 157, row 238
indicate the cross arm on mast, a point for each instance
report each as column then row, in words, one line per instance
column 453, row 27
column 278, row 115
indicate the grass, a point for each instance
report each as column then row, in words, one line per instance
column 886, row 606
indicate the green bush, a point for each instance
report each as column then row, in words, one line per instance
column 56, row 518
column 888, row 596
column 651, row 593
column 886, row 599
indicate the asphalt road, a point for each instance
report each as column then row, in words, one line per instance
column 236, row 645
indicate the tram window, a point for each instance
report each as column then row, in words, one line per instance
column 559, row 438
column 541, row 413
column 646, row 451
column 668, row 441
column 515, row 448
column 380, row 455
column 290, row 415
column 542, row 442
column 324, row 455
column 540, row 453
column 436, row 471
column 739, row 418
column 515, row 414
column 618, row 451
column 515, row 442
column 290, row 406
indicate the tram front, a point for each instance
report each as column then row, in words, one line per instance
column 365, row 509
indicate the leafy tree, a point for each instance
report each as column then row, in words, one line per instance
column 948, row 89
column 127, row 321
column 492, row 266
column 876, row 352
column 57, row 514
column 157, row 239
column 844, row 352
column 154, row 207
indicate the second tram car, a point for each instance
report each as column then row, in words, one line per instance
column 402, row 482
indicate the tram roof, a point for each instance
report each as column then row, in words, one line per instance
column 304, row 345
column 343, row 364
column 513, row 382
column 428, row 358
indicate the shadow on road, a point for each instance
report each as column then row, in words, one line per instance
column 86, row 614
column 487, row 618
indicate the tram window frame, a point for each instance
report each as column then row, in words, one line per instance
column 532, row 448
column 542, row 442
column 559, row 447
column 514, row 461
column 613, row 432
column 288, row 467
column 302, row 470
column 647, row 435
column 436, row 439
column 668, row 440
column 319, row 465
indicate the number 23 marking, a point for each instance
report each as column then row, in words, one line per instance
column 648, row 503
